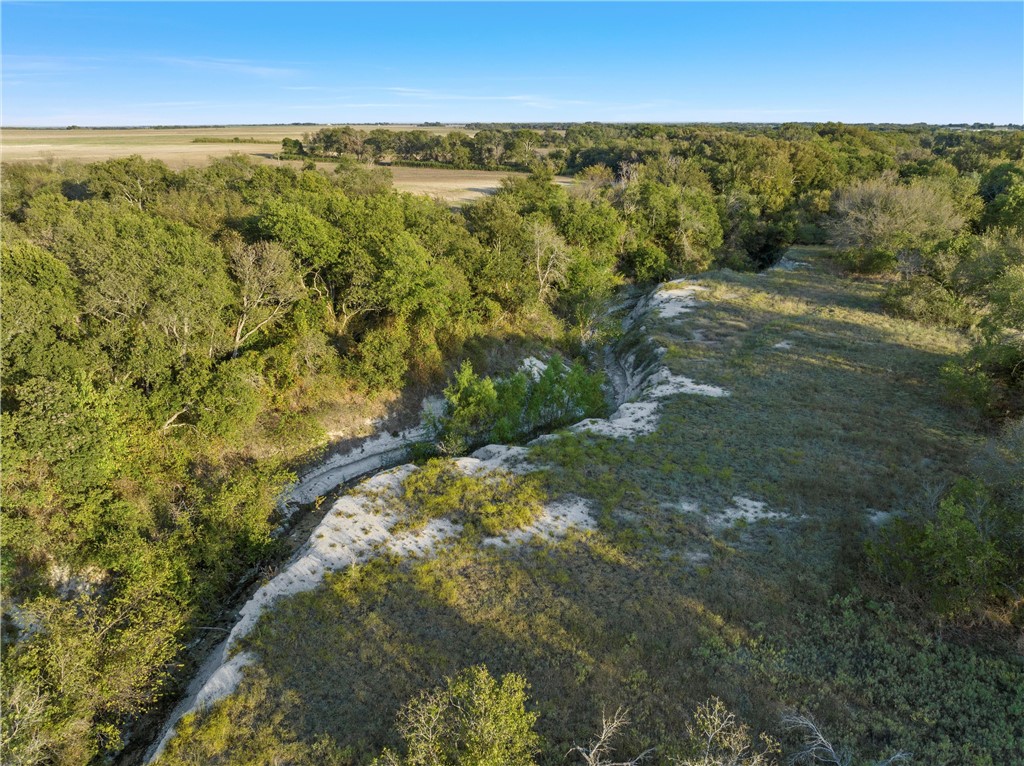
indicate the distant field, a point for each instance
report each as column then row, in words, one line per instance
column 452, row 185
column 176, row 147
column 172, row 145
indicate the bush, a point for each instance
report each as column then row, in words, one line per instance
column 482, row 410
column 968, row 384
column 990, row 377
column 968, row 558
column 648, row 262
column 474, row 721
column 925, row 300
column 382, row 357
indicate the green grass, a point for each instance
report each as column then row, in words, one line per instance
column 660, row 608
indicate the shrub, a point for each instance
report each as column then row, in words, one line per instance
column 989, row 377
column 474, row 721
column 482, row 410
column 487, row 504
column 925, row 300
column 967, row 383
column 968, row 557
column 648, row 262
column 382, row 356
column 471, row 412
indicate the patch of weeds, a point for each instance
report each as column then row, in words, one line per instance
column 485, row 504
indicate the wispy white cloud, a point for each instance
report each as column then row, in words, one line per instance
column 233, row 66
column 327, row 105
column 543, row 102
column 44, row 65
column 177, row 104
column 34, row 66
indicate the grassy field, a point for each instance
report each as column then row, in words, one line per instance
column 177, row 148
column 835, row 418
column 173, row 146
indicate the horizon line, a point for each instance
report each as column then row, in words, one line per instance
column 463, row 123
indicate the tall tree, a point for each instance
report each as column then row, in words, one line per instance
column 268, row 284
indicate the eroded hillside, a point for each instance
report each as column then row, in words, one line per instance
column 714, row 545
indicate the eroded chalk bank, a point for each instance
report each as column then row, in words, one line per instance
column 363, row 523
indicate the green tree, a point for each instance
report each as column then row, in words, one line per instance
column 292, row 146
column 473, row 409
column 88, row 666
column 489, row 148
column 1007, row 210
column 39, row 324
column 268, row 284
column 381, row 143
column 684, row 223
column 382, row 356
column 883, row 224
column 133, row 179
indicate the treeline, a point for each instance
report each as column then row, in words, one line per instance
column 741, row 193
column 486, row 149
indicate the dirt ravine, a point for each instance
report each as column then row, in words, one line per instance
column 219, row 673
column 359, row 524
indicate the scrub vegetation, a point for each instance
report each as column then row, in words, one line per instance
column 832, row 551
column 482, row 505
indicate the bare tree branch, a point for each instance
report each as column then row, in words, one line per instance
column 595, row 752
column 817, row 749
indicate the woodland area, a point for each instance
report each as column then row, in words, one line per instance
column 176, row 345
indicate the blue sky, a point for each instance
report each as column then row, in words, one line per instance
column 240, row 63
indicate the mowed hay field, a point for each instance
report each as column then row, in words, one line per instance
column 177, row 148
